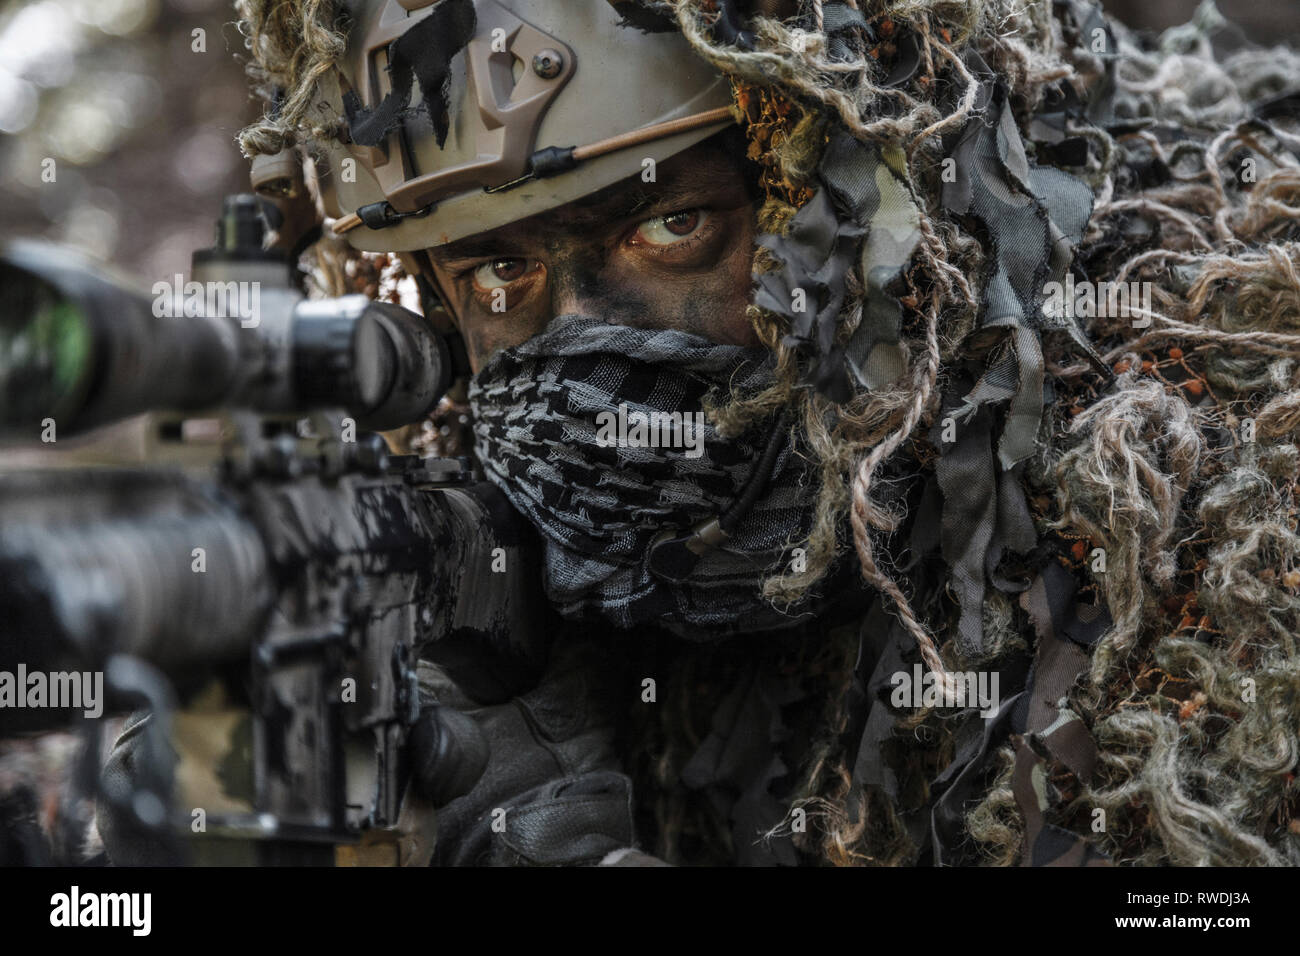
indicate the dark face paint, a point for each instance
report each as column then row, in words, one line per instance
column 615, row 255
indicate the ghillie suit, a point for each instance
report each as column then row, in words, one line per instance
column 1083, row 488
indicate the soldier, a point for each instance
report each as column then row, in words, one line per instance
column 754, row 305
column 603, row 303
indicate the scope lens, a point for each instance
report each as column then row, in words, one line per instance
column 45, row 350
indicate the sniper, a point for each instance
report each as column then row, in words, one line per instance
column 830, row 228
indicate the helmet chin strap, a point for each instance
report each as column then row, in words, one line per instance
column 432, row 300
column 673, row 557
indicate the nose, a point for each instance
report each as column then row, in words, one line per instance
column 576, row 287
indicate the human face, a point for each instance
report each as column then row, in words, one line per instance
column 672, row 254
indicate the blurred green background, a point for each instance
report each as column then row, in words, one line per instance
column 141, row 124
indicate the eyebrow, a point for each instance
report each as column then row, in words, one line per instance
column 625, row 204
column 471, row 247
column 612, row 204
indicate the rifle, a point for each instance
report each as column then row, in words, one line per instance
column 266, row 584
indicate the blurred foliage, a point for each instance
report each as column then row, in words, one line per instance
column 136, row 103
column 1264, row 21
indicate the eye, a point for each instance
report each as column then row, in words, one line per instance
column 666, row 230
column 499, row 273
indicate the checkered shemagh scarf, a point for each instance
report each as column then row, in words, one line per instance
column 537, row 412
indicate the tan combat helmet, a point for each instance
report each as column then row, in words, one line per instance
column 546, row 102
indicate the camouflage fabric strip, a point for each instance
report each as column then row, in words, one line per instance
column 867, row 183
column 1053, row 732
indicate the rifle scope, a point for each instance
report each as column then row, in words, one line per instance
column 82, row 348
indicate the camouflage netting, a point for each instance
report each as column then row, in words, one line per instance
column 1102, row 507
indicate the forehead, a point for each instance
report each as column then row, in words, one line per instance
column 707, row 173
